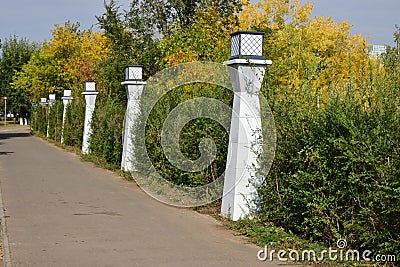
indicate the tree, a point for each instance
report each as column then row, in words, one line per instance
column 314, row 53
column 391, row 60
column 207, row 38
column 167, row 14
column 15, row 53
column 132, row 42
column 64, row 62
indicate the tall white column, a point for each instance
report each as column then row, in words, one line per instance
column 52, row 99
column 90, row 97
column 67, row 98
column 245, row 137
column 134, row 87
column 5, row 111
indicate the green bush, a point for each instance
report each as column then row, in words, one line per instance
column 189, row 138
column 55, row 121
column 107, row 129
column 336, row 172
column 73, row 125
column 107, row 126
column 39, row 119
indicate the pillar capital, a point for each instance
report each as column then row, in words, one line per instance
column 247, row 62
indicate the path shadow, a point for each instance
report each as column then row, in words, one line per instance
column 5, row 153
column 11, row 135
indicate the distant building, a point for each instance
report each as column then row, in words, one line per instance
column 377, row 50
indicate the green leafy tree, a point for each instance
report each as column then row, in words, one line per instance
column 207, row 38
column 132, row 42
column 391, row 60
column 167, row 14
column 135, row 34
column 15, row 53
column 66, row 61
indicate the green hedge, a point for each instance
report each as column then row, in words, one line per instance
column 73, row 126
column 55, row 121
column 108, row 118
column 336, row 172
column 39, row 119
column 107, row 129
column 189, row 139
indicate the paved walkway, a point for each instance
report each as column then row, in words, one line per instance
column 64, row 212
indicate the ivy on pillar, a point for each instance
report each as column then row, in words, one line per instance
column 247, row 67
column 90, row 94
column 67, row 98
column 134, row 86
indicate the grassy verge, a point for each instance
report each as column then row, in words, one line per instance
column 9, row 124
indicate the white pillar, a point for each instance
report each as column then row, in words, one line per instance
column 66, row 100
column 247, row 67
column 134, row 91
column 23, row 121
column 5, row 111
column 52, row 99
column 134, row 87
column 245, row 138
column 90, row 97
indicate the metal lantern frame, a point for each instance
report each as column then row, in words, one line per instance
column 89, row 86
column 134, row 73
column 247, row 45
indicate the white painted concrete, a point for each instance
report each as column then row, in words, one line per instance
column 67, row 98
column 134, row 91
column 245, row 138
column 90, row 98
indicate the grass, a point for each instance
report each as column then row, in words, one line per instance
column 277, row 238
column 9, row 124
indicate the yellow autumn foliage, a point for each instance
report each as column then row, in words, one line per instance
column 64, row 62
column 206, row 39
column 77, row 54
column 317, row 53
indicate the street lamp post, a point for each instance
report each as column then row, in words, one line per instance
column 43, row 101
column 67, row 98
column 5, row 111
column 247, row 66
column 52, row 99
column 90, row 94
column 134, row 86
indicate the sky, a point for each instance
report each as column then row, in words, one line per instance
column 375, row 19
column 34, row 19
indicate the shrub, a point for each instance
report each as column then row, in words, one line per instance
column 336, row 171
column 73, row 125
column 107, row 129
column 39, row 119
column 189, row 138
column 55, row 121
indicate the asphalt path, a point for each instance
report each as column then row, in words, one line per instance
column 61, row 211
